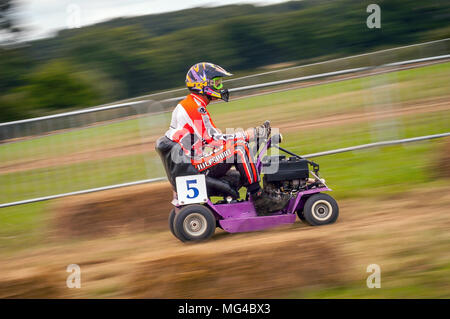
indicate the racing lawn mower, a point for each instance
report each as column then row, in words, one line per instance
column 195, row 217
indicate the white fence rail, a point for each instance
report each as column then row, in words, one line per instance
column 108, row 147
column 158, row 179
column 366, row 62
column 370, row 59
column 377, row 144
column 170, row 101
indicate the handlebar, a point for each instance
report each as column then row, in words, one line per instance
column 267, row 131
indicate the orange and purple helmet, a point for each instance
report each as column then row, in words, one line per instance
column 206, row 78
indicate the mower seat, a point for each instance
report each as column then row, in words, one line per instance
column 176, row 163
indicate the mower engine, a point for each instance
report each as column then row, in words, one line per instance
column 285, row 175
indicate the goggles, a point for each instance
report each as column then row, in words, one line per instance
column 216, row 83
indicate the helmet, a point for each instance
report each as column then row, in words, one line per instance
column 206, row 78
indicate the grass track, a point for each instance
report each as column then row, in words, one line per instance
column 354, row 95
column 363, row 176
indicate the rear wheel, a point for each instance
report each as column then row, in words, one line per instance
column 194, row 223
column 320, row 209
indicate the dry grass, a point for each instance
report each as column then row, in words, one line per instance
column 407, row 235
column 133, row 209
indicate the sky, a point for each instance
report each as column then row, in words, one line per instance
column 42, row 18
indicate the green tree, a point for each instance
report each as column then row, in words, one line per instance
column 15, row 64
column 59, row 85
column 122, row 53
column 128, row 57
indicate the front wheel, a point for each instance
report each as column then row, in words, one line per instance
column 320, row 209
column 194, row 223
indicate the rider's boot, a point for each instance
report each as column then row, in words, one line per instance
column 265, row 203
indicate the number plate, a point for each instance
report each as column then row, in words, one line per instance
column 191, row 189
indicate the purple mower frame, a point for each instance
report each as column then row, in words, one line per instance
column 241, row 216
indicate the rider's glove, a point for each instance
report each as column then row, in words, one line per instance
column 263, row 131
column 260, row 132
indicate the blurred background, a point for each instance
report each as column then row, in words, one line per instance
column 87, row 87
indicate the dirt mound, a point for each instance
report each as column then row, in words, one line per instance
column 261, row 271
column 137, row 208
column 407, row 235
column 31, row 283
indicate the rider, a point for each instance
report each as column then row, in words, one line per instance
column 192, row 127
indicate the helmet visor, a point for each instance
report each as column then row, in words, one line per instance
column 217, row 83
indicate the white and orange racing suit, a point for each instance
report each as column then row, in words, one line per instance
column 210, row 151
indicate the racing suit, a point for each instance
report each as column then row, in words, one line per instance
column 211, row 152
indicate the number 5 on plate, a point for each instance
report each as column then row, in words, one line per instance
column 191, row 189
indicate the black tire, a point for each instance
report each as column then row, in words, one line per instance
column 320, row 209
column 171, row 219
column 300, row 215
column 194, row 223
